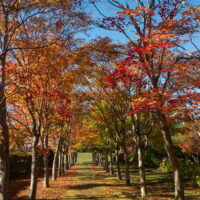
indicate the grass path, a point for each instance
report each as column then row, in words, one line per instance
column 92, row 182
column 87, row 181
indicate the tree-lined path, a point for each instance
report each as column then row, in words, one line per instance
column 116, row 78
column 92, row 182
column 85, row 180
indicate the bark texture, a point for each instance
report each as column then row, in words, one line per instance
column 141, row 168
column 178, row 181
column 4, row 137
column 55, row 161
column 111, row 164
column 34, row 169
column 127, row 168
column 118, row 170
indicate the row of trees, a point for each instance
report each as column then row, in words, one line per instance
column 101, row 95
column 152, row 83
column 37, row 44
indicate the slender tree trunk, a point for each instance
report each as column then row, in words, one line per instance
column 127, row 170
column 178, row 181
column 93, row 157
column 63, row 162
column 75, row 157
column 46, row 163
column 118, row 170
column 97, row 158
column 4, row 137
column 141, row 168
column 99, row 163
column 59, row 162
column 4, row 148
column 69, row 160
column 101, row 160
column 72, row 159
column 111, row 164
column 55, row 161
column 106, row 164
column 34, row 168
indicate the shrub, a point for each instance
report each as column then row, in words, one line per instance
column 190, row 169
column 153, row 158
column 197, row 181
column 20, row 164
column 165, row 165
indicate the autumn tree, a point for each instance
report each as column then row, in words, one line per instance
column 28, row 25
column 154, row 60
column 190, row 142
column 17, row 17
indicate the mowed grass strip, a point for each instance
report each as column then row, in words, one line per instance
column 84, row 157
column 92, row 182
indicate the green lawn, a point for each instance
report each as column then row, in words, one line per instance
column 160, row 185
column 84, row 157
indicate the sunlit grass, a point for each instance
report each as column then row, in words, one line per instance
column 160, row 185
column 84, row 157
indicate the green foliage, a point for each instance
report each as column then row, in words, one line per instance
column 190, row 169
column 197, row 180
column 20, row 164
column 165, row 165
column 152, row 157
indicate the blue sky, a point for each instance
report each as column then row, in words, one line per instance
column 117, row 36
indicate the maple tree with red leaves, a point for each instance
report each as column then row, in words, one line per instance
column 162, row 79
column 53, row 90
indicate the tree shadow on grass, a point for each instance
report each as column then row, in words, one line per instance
column 16, row 186
column 22, row 183
column 193, row 197
column 93, row 185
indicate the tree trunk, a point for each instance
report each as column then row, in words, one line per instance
column 69, row 160
column 98, row 159
column 178, row 182
column 4, row 148
column 95, row 158
column 4, row 135
column 111, row 164
column 55, row 161
column 118, row 171
column 106, row 164
column 46, row 163
column 72, row 158
column 59, row 162
column 75, row 157
column 34, row 168
column 141, row 168
column 63, row 162
column 101, row 159
column 99, row 163
column 127, row 170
